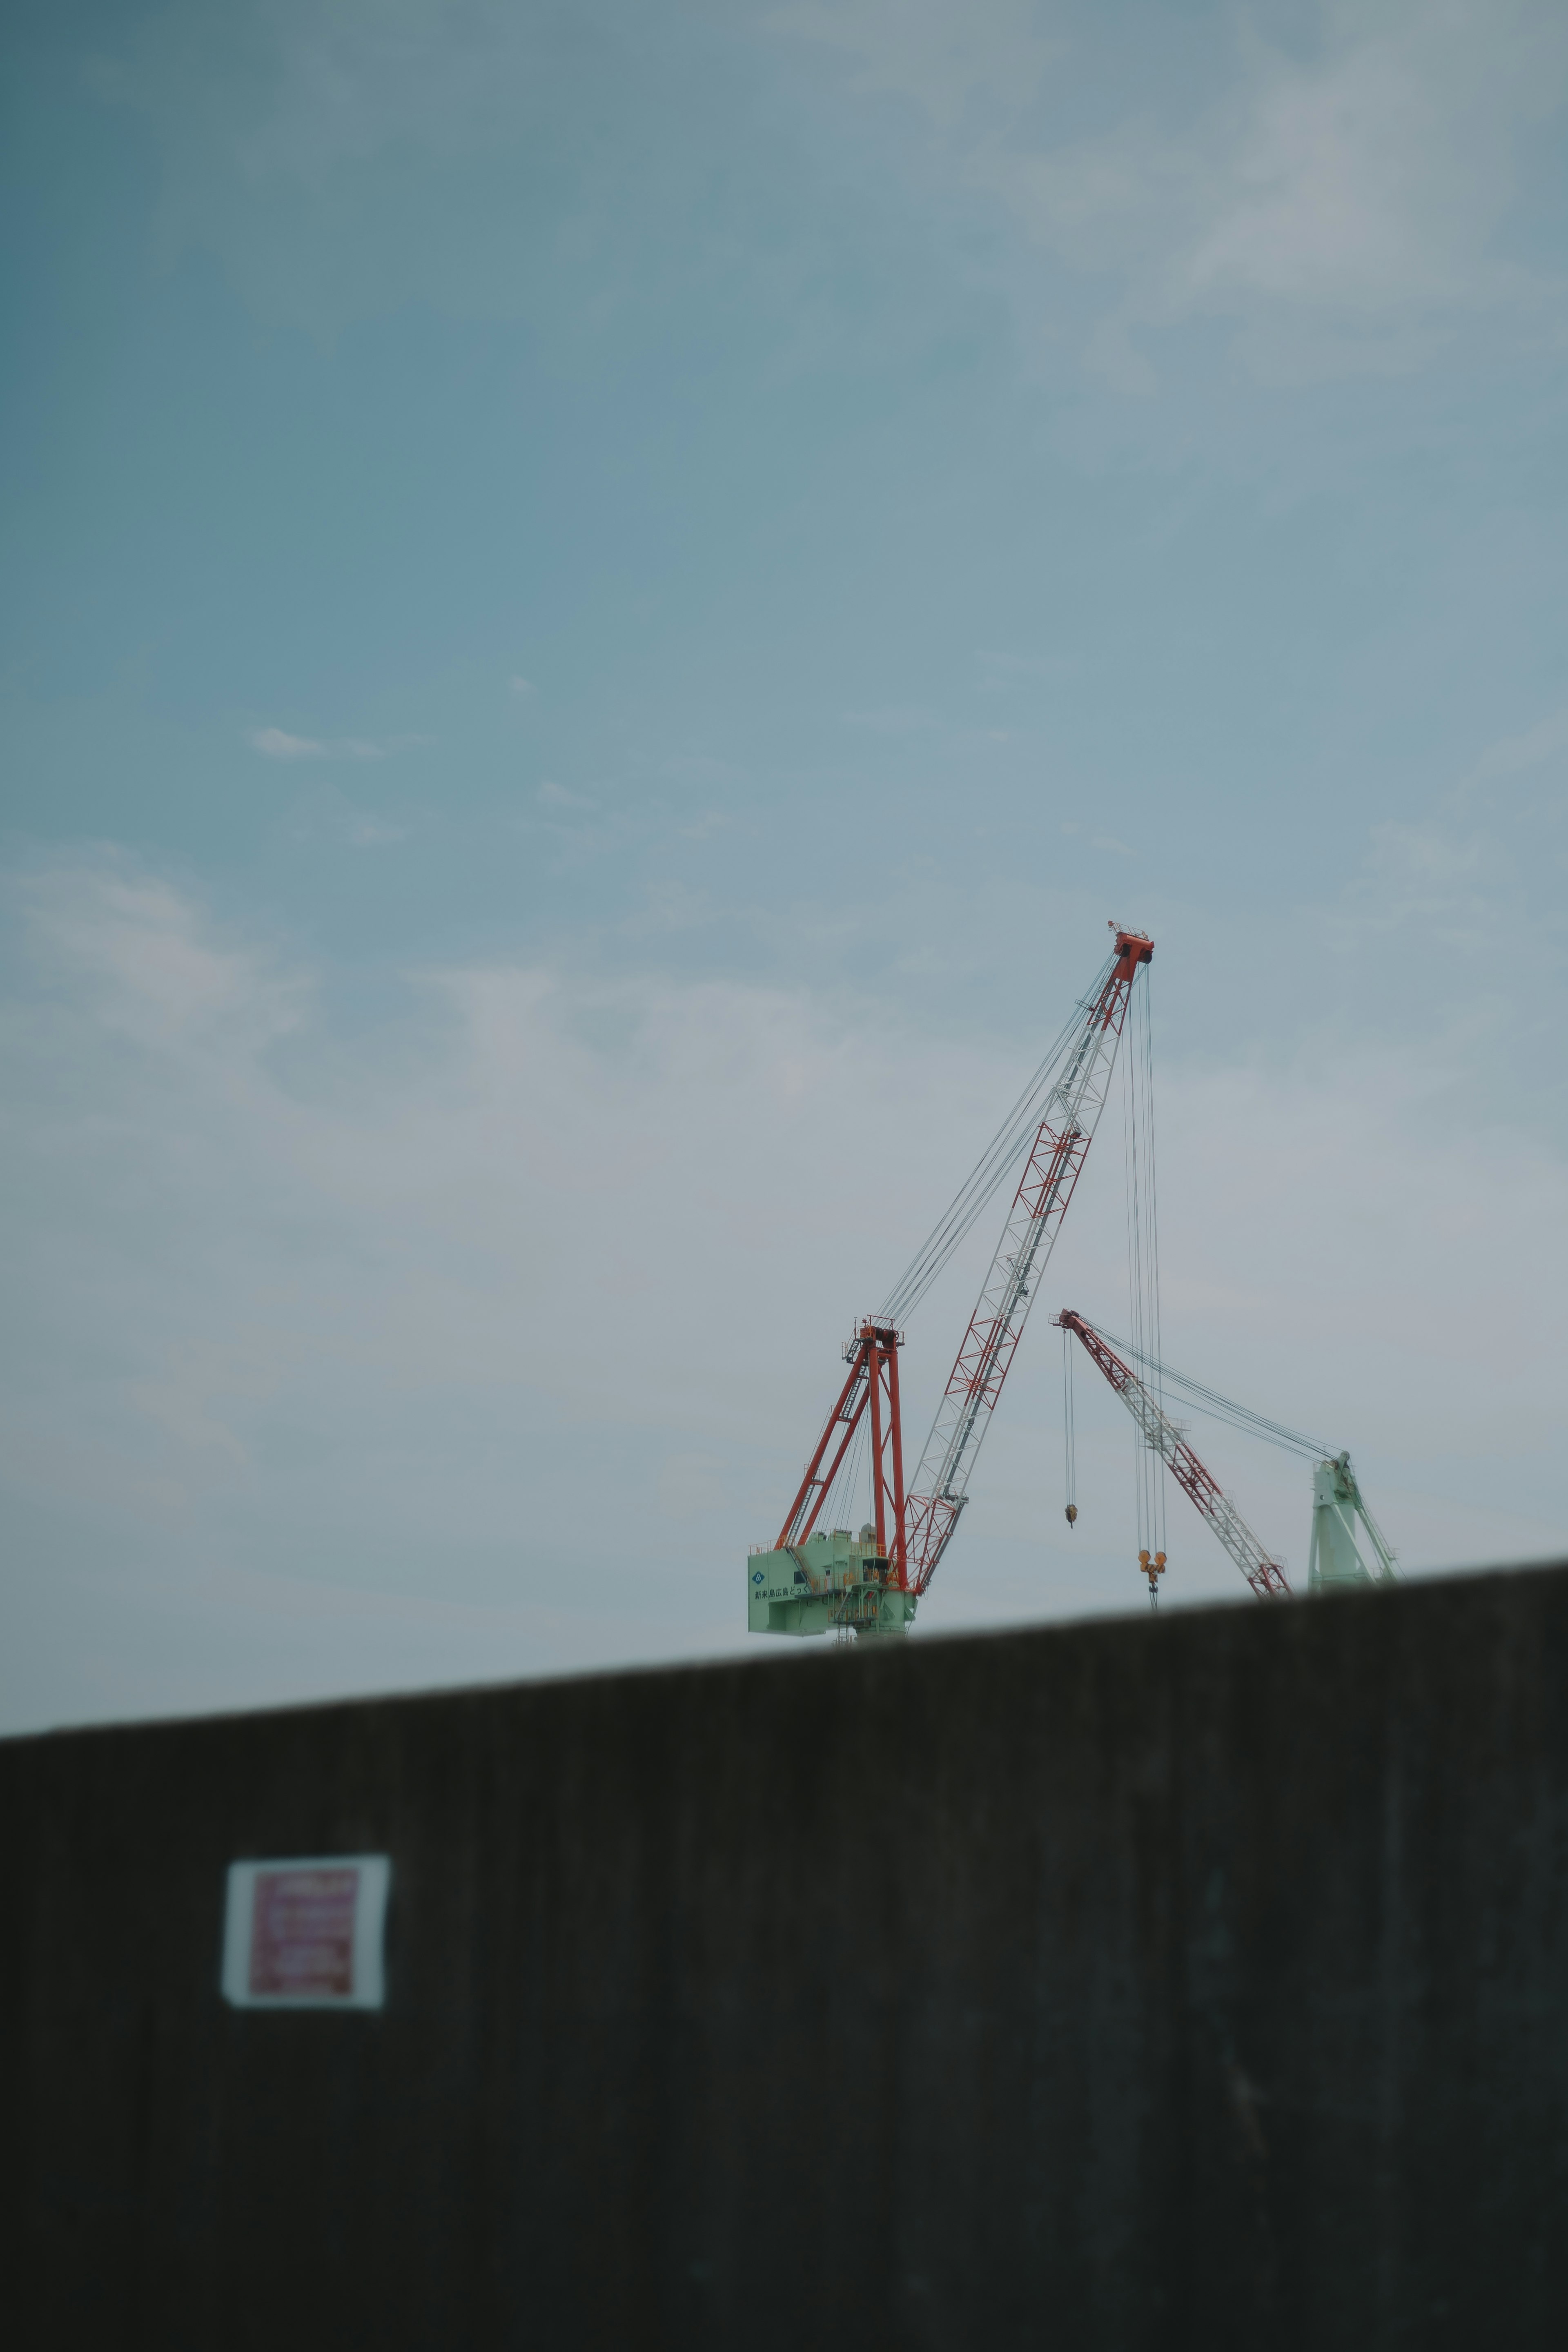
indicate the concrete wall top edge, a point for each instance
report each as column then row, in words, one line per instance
column 1270, row 1621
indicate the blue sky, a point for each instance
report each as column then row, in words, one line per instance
column 599, row 607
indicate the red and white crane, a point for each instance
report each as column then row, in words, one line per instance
column 1161, row 1434
column 811, row 1578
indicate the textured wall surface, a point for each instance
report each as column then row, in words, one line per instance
column 1195, row 1982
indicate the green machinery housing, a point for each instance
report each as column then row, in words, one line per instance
column 1347, row 1545
column 833, row 1582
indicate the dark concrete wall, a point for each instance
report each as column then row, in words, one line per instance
column 1194, row 1982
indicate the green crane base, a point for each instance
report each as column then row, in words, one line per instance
column 833, row 1582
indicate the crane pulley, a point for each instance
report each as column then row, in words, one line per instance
column 811, row 1580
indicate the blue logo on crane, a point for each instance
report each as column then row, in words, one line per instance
column 756, row 1576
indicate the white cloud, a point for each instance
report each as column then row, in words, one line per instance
column 276, row 745
column 1343, row 196
column 273, row 744
column 1516, row 755
column 1337, row 179
column 522, row 688
column 958, row 65
column 141, row 961
column 561, row 796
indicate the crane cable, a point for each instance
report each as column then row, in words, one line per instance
column 1144, row 1269
column 1070, row 1427
column 846, row 1485
column 1199, row 1397
column 997, row 1162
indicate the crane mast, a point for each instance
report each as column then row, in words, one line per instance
column 1263, row 1572
column 939, row 1488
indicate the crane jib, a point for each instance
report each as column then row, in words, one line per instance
column 1263, row 1572
column 984, row 1358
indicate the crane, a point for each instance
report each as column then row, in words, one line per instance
column 1263, row 1572
column 1337, row 1555
column 1340, row 1556
column 812, row 1579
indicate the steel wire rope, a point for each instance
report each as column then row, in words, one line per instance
column 1143, row 1261
column 1215, row 1407
column 996, row 1161
column 1153, row 1198
column 1128, row 1196
column 847, row 1479
column 1069, row 1426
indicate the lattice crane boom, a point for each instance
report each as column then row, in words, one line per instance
column 939, row 1490
column 1263, row 1572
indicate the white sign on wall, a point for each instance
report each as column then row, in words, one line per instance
column 306, row 1934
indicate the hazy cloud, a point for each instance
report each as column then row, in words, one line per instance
column 273, row 744
column 1516, row 755
column 277, row 745
column 138, row 959
column 433, row 1326
column 1338, row 182
column 1334, row 183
